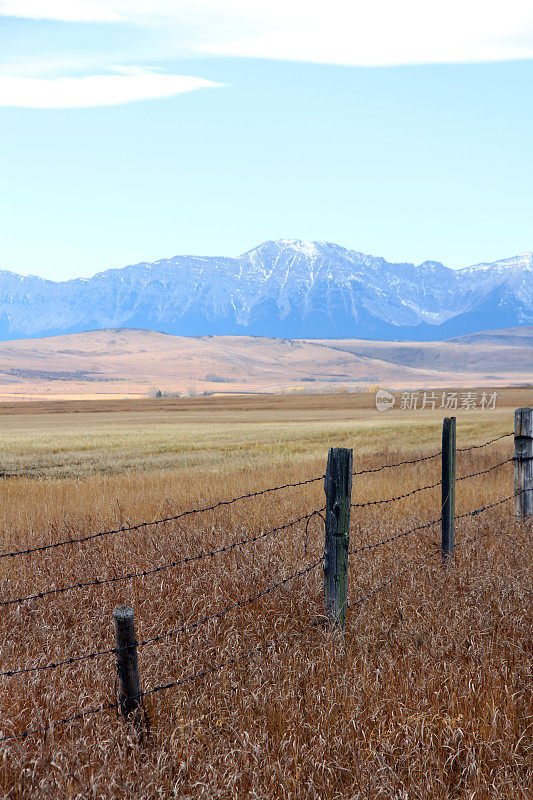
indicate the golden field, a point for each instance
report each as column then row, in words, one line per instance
column 429, row 694
column 224, row 434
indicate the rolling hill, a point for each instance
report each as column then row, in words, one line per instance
column 490, row 353
column 136, row 363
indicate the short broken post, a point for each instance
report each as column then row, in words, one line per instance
column 523, row 462
column 129, row 684
column 448, row 488
column 338, row 489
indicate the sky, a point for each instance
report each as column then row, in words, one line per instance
column 133, row 130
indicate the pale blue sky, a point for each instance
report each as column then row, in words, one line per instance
column 129, row 138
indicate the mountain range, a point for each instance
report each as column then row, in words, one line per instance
column 286, row 288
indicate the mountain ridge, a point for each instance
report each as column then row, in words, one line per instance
column 286, row 288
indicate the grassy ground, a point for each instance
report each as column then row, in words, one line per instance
column 428, row 696
column 221, row 434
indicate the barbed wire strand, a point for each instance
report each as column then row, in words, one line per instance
column 146, row 524
column 167, row 634
column 485, row 444
column 393, row 538
column 484, row 471
column 430, row 486
column 397, row 464
column 433, row 455
column 155, row 570
column 398, row 497
column 491, row 505
column 57, row 723
column 215, row 668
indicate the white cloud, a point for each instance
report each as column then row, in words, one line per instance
column 362, row 33
column 389, row 33
column 64, row 10
column 351, row 32
column 95, row 90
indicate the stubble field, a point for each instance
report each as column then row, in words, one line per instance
column 429, row 693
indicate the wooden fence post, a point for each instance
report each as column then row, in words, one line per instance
column 338, row 489
column 448, row 488
column 129, row 684
column 523, row 461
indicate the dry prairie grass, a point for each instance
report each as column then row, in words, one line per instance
column 428, row 696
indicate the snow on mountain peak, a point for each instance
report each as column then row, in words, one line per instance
column 519, row 262
column 288, row 288
column 308, row 249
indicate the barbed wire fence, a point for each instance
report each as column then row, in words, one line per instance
column 336, row 516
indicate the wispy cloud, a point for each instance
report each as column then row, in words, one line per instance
column 350, row 32
column 95, row 90
column 345, row 32
column 63, row 10
column 387, row 33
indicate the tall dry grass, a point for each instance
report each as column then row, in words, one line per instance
column 429, row 695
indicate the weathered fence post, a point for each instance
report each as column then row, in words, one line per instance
column 129, row 684
column 523, row 461
column 448, row 488
column 338, row 489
